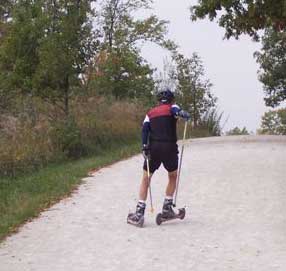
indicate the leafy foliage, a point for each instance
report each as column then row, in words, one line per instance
column 193, row 89
column 186, row 76
column 65, row 52
column 237, row 131
column 274, row 122
column 122, row 74
column 272, row 60
column 120, row 29
column 67, row 136
column 5, row 9
column 119, row 69
column 49, row 44
column 5, row 15
column 243, row 16
column 18, row 52
column 67, row 82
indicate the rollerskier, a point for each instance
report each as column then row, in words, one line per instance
column 159, row 146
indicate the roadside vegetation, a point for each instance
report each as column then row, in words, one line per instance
column 237, row 131
column 74, row 90
column 262, row 21
column 273, row 122
column 25, row 196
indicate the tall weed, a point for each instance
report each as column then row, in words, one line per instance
column 24, row 147
column 95, row 124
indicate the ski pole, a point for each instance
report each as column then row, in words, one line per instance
column 149, row 184
column 180, row 164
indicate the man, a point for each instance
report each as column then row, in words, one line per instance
column 159, row 140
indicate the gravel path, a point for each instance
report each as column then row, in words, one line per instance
column 235, row 192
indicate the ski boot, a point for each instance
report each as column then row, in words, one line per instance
column 137, row 218
column 168, row 213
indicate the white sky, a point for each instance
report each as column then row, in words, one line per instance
column 229, row 64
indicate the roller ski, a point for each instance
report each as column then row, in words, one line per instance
column 169, row 214
column 137, row 218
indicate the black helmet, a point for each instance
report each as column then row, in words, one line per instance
column 166, row 96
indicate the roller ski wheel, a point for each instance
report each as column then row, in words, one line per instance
column 132, row 220
column 159, row 219
column 180, row 215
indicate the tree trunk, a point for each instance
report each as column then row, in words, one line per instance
column 66, row 97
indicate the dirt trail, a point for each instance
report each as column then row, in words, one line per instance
column 235, row 191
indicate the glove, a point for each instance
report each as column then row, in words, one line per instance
column 185, row 115
column 146, row 152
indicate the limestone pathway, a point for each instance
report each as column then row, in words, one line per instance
column 235, row 192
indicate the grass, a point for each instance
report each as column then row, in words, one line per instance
column 24, row 197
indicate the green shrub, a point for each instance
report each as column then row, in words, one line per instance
column 237, row 131
column 273, row 122
column 67, row 138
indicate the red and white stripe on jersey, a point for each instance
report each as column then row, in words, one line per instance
column 162, row 110
column 160, row 124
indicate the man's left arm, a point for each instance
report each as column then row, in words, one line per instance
column 178, row 112
column 145, row 137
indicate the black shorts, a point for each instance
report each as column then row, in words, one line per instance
column 163, row 152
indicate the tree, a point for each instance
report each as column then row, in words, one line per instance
column 18, row 51
column 243, row 16
column 47, row 49
column 65, row 52
column 237, row 131
column 122, row 74
column 119, row 69
column 119, row 28
column 273, row 122
column 5, row 9
column 5, row 15
column 193, row 89
column 272, row 60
